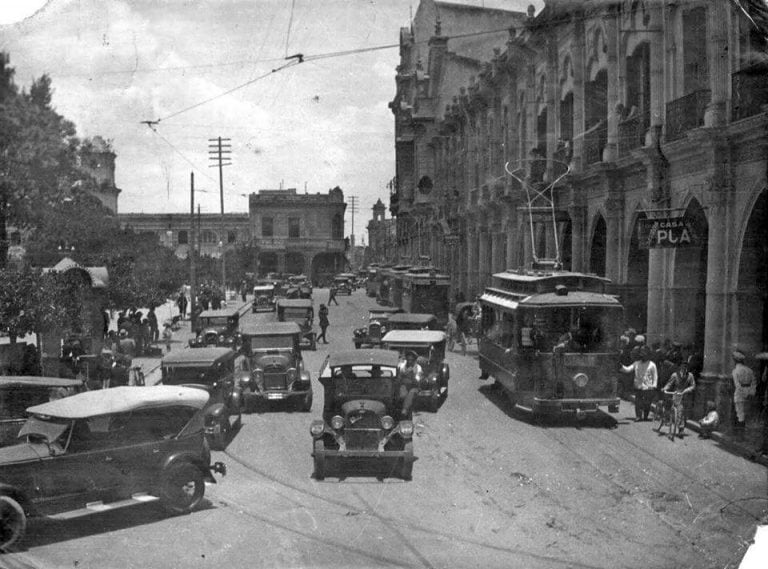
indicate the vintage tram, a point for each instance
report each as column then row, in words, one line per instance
column 549, row 338
column 426, row 291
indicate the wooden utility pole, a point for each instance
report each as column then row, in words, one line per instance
column 219, row 151
column 192, row 250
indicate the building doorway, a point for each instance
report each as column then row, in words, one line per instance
column 597, row 250
column 267, row 263
column 689, row 293
column 294, row 263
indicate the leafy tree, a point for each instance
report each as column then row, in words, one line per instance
column 38, row 154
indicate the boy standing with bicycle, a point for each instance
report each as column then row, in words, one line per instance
column 682, row 382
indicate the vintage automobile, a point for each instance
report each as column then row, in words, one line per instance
column 361, row 424
column 217, row 371
column 371, row 334
column 302, row 312
column 412, row 321
column 103, row 450
column 343, row 284
column 277, row 368
column 263, row 298
column 216, row 328
column 22, row 391
column 429, row 346
column 303, row 284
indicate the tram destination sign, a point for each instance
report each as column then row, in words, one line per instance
column 666, row 232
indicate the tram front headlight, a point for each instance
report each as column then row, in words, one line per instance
column 581, row 379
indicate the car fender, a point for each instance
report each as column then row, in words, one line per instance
column 183, row 457
column 445, row 372
column 305, row 377
column 236, row 400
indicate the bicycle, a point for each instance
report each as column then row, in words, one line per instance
column 671, row 415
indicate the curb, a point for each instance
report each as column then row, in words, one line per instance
column 721, row 438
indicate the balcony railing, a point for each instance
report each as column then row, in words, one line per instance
column 686, row 113
column 750, row 91
column 632, row 133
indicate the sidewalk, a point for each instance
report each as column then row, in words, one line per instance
column 181, row 337
column 746, row 446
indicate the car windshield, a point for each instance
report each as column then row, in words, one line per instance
column 421, row 351
column 363, row 381
column 295, row 313
column 272, row 343
column 47, row 428
column 178, row 375
column 378, row 316
column 14, row 402
column 215, row 321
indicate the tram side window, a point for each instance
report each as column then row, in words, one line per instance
column 501, row 328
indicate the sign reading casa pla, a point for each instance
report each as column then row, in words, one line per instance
column 666, row 232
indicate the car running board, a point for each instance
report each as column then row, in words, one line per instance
column 95, row 507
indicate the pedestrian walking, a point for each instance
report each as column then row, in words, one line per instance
column 324, row 323
column 332, row 295
column 154, row 330
column 167, row 336
column 182, row 303
column 455, row 334
column 743, row 388
column 645, row 382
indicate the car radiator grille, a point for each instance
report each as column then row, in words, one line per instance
column 275, row 379
column 362, row 438
column 374, row 332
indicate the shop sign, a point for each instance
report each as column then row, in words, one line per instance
column 666, row 232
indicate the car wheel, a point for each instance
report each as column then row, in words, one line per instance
column 221, row 438
column 357, row 345
column 434, row 403
column 182, row 488
column 306, row 404
column 13, row 522
column 407, row 468
column 319, row 460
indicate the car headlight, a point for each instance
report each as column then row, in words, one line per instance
column 406, row 428
column 291, row 374
column 221, row 337
column 316, row 429
column 580, row 379
column 337, row 422
column 387, row 422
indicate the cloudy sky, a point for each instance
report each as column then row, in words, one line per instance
column 319, row 124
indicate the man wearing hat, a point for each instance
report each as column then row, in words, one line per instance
column 646, row 381
column 409, row 373
column 743, row 387
column 126, row 345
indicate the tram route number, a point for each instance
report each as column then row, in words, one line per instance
column 666, row 232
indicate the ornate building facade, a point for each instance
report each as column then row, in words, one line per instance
column 381, row 236
column 624, row 138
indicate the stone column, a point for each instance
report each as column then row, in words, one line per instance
column 657, row 73
column 483, row 265
column 717, row 57
column 614, row 228
column 578, row 237
column 577, row 57
column 553, row 109
column 658, row 308
column 499, row 253
column 525, row 231
column 281, row 262
column 611, row 151
column 472, row 239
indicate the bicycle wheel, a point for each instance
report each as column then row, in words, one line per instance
column 673, row 418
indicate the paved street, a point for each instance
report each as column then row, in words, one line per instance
column 489, row 489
